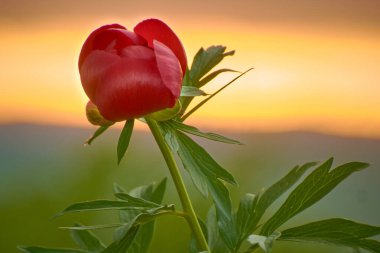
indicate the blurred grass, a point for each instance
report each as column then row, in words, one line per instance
column 43, row 169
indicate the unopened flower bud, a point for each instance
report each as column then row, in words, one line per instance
column 130, row 74
column 94, row 116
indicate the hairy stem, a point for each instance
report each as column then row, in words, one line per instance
column 179, row 184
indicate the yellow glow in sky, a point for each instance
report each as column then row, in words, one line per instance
column 315, row 80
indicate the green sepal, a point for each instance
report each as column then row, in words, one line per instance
column 96, row 134
column 124, row 139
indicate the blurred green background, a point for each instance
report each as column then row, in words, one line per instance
column 43, row 169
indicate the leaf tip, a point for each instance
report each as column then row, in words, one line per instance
column 229, row 53
column 329, row 162
column 55, row 216
column 22, row 248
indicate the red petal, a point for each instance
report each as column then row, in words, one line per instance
column 132, row 88
column 93, row 68
column 114, row 40
column 154, row 29
column 168, row 67
column 88, row 44
column 138, row 52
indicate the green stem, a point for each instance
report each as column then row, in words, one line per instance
column 179, row 184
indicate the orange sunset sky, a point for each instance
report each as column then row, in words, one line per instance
column 317, row 63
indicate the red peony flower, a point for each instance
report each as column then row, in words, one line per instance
column 130, row 74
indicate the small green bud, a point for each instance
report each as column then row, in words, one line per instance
column 94, row 116
column 167, row 114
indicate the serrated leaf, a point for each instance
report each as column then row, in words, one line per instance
column 195, row 131
column 98, row 132
column 191, row 91
column 195, row 108
column 87, row 240
column 124, row 139
column 336, row 231
column 212, row 75
column 265, row 242
column 315, row 186
column 97, row 205
column 47, row 250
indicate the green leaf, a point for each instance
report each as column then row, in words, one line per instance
column 245, row 217
column 215, row 242
column 203, row 62
column 276, row 190
column 370, row 244
column 208, row 177
column 205, row 172
column 193, row 247
column 122, row 245
column 195, row 108
column 207, row 59
column 98, row 132
column 159, row 191
column 46, row 250
column 136, row 201
column 212, row 75
column 146, row 193
column 151, row 193
column 143, row 218
column 315, row 186
column 265, row 242
column 125, row 236
column 124, row 139
column 336, row 231
column 194, row 131
column 224, row 213
column 94, row 227
column 190, row 91
column 97, row 205
column 196, row 158
column 87, row 240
